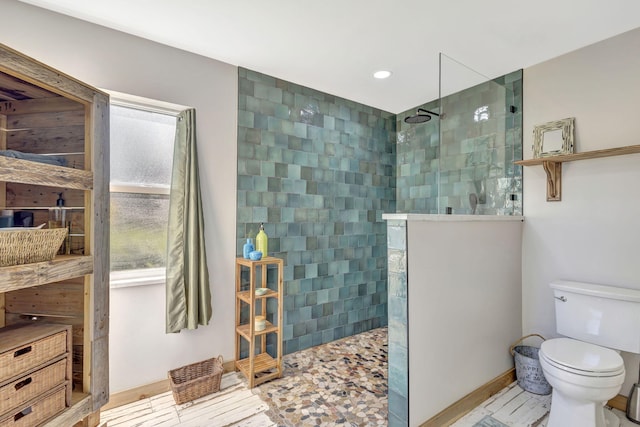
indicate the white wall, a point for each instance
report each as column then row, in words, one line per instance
column 140, row 352
column 593, row 234
column 464, row 296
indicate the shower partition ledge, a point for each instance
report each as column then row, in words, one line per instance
column 449, row 218
column 553, row 165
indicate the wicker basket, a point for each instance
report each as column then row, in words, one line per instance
column 29, row 245
column 33, row 385
column 27, row 355
column 37, row 411
column 196, row 380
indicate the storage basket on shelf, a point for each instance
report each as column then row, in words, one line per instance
column 196, row 380
column 528, row 370
column 25, row 246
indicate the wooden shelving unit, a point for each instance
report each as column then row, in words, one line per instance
column 258, row 366
column 553, row 165
column 45, row 112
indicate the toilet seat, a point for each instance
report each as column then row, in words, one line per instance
column 581, row 358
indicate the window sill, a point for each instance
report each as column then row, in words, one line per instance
column 132, row 278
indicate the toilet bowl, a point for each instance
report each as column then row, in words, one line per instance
column 584, row 377
column 585, row 369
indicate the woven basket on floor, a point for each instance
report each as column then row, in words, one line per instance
column 29, row 245
column 196, row 380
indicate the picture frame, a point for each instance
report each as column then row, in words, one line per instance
column 554, row 138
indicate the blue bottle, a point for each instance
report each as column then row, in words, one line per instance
column 247, row 248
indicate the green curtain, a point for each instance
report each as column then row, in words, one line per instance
column 188, row 293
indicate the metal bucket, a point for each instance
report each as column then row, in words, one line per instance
column 528, row 370
column 633, row 404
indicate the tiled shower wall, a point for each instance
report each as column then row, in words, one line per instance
column 318, row 171
column 398, row 336
column 418, row 149
column 469, row 149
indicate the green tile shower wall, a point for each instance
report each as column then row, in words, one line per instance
column 418, row 150
column 444, row 160
column 319, row 171
column 398, row 337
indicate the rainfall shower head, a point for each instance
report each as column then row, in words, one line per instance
column 421, row 116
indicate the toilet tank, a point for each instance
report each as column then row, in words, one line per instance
column 605, row 315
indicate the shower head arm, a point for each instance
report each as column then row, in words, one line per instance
column 427, row 111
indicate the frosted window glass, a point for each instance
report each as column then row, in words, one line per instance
column 141, row 146
column 138, row 231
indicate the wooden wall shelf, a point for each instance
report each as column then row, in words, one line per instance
column 62, row 267
column 607, row 152
column 28, row 172
column 553, row 165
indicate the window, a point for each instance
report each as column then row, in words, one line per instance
column 481, row 114
column 142, row 135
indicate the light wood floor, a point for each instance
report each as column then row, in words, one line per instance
column 235, row 405
column 515, row 407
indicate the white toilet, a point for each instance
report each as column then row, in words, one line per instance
column 583, row 369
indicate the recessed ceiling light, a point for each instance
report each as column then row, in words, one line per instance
column 382, row 74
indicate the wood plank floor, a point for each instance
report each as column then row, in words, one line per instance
column 235, row 405
column 514, row 407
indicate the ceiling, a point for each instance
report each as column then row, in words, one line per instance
column 336, row 45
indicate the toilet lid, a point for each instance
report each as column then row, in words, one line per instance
column 581, row 356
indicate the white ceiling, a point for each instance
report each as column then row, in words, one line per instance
column 335, row 45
